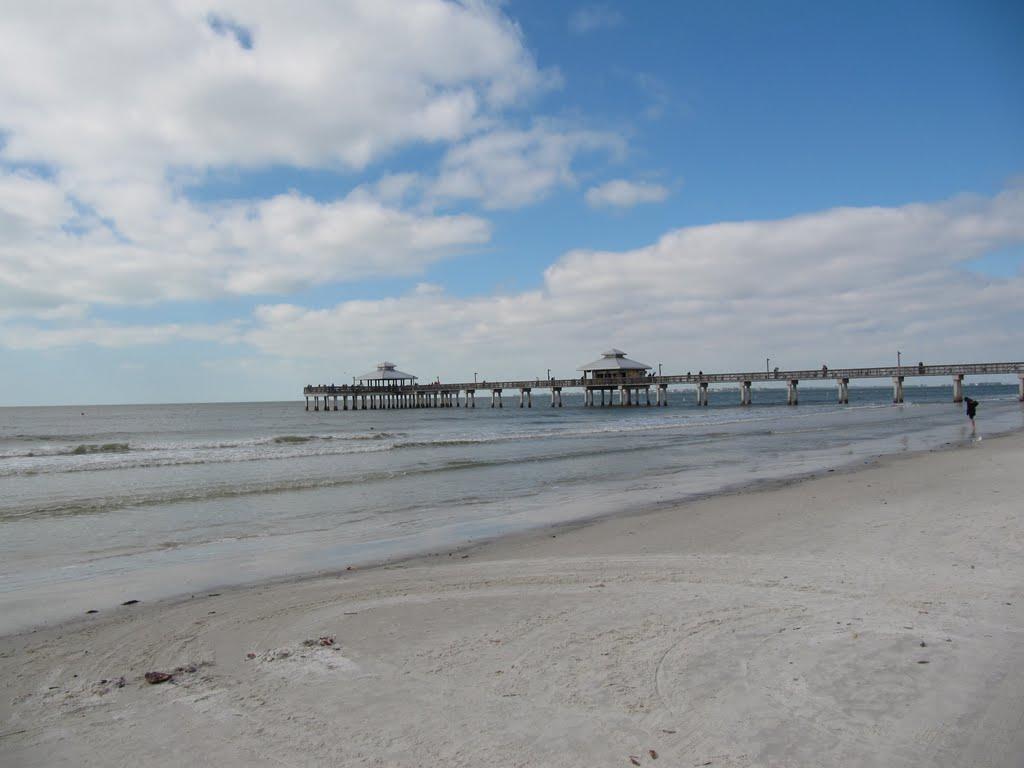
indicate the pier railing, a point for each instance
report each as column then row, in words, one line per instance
column 636, row 390
column 826, row 374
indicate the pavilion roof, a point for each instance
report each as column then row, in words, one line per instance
column 385, row 370
column 614, row 360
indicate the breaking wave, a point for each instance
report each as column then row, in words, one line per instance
column 87, row 448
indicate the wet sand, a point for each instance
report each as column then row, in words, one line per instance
column 860, row 618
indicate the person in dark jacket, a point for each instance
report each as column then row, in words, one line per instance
column 972, row 408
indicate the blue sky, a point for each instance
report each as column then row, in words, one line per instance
column 272, row 198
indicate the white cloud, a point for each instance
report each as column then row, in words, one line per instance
column 625, row 194
column 847, row 285
column 591, row 18
column 849, row 282
column 111, row 336
column 105, row 91
column 511, row 168
column 112, row 103
column 149, row 246
column 121, row 104
column 29, row 204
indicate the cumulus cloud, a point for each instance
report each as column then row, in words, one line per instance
column 103, row 91
column 591, row 18
column 621, row 193
column 113, row 108
column 510, row 168
column 99, row 109
column 847, row 285
column 157, row 248
column 853, row 282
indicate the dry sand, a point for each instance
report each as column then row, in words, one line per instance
column 871, row 618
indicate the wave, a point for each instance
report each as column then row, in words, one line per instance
column 84, row 449
column 173, row 452
column 69, row 507
column 43, row 464
column 293, row 446
column 298, row 439
column 43, row 438
column 264, row 448
column 97, row 505
column 87, row 448
column 141, row 453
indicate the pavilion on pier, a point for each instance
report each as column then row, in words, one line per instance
column 385, row 375
column 613, row 367
column 615, row 371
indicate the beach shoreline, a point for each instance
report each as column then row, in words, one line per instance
column 90, row 610
column 590, row 620
column 224, row 502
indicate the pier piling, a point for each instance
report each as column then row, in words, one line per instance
column 702, row 394
column 792, row 398
column 746, row 397
column 844, row 391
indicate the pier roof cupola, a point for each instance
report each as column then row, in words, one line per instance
column 613, row 365
column 386, row 375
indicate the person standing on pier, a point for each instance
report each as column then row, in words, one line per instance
column 972, row 408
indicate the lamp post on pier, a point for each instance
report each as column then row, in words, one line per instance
column 549, row 374
column 659, row 370
column 766, row 361
column 474, row 377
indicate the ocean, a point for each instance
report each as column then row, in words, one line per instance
column 104, row 504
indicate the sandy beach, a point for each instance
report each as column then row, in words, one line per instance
column 860, row 618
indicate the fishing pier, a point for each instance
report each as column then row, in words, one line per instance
column 616, row 380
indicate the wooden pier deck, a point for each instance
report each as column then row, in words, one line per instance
column 635, row 390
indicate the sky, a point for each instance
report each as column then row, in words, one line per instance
column 226, row 200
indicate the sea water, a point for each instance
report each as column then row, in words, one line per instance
column 103, row 504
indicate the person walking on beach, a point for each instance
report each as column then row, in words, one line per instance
column 972, row 408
